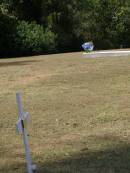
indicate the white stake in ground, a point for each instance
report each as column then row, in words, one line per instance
column 21, row 129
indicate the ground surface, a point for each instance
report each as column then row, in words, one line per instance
column 80, row 113
column 107, row 53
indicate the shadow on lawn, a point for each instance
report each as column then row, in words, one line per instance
column 16, row 63
column 115, row 160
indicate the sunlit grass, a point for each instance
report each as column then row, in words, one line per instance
column 80, row 113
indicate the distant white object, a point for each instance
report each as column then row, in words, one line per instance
column 108, row 53
column 88, row 46
column 21, row 129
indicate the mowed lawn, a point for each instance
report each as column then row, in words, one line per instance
column 80, row 113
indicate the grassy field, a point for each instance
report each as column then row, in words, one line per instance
column 80, row 113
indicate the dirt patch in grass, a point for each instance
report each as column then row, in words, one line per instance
column 16, row 63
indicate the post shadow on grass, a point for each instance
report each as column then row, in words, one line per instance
column 114, row 160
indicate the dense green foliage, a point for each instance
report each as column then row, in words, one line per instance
column 39, row 26
column 32, row 38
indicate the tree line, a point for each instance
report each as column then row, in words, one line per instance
column 29, row 27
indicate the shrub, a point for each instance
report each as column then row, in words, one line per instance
column 31, row 38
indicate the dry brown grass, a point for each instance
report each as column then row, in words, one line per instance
column 80, row 113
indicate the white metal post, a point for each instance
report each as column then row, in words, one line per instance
column 24, row 133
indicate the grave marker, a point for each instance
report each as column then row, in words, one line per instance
column 21, row 129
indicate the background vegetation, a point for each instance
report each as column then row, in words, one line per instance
column 38, row 26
